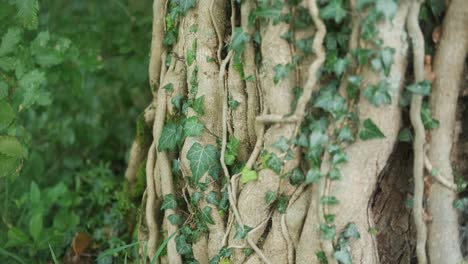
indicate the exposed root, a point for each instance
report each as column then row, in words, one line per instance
column 156, row 42
column 419, row 133
column 441, row 179
column 153, row 228
column 444, row 244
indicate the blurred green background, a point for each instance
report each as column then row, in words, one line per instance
column 73, row 79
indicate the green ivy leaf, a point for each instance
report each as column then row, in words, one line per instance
column 171, row 137
column 334, row 174
column 345, row 134
column 386, row 7
column 239, row 38
column 242, row 231
column 232, row 149
column 10, row 41
column 206, row 215
column 296, row 177
column 169, row 202
column 426, row 116
column 191, row 56
column 329, row 218
column 248, row 175
column 351, row 231
column 313, row 175
column 386, row 57
column 192, row 128
column 405, row 135
column 370, row 131
column 328, row 231
column 270, row 197
column 182, row 246
column 201, row 159
column 282, row 203
column 331, row 102
column 330, row 200
column 378, row 95
column 274, row 163
column 185, row 5
column 168, row 87
column 212, row 198
column 340, row 66
column 343, row 256
column 281, row 72
column 11, row 147
column 175, row 219
column 198, row 105
column 281, row 144
column 196, row 197
column 423, row 88
column 333, row 10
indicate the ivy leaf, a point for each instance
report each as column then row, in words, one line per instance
column 7, row 114
column 242, row 231
column 191, row 54
column 334, row 10
column 328, row 231
column 423, row 88
column 10, row 40
column 343, row 256
column 206, row 215
column 274, row 163
column 27, row 13
column 370, row 131
column 378, row 95
column 334, row 174
column 281, row 144
column 270, row 197
column 175, row 219
column 168, row 87
column 351, row 231
column 239, row 39
column 232, row 149
column 386, row 57
column 182, row 246
column 196, row 197
column 248, row 175
column 11, row 147
column 201, row 159
column 281, row 72
column 185, row 5
column 212, row 198
column 386, row 7
column 426, row 116
column 171, row 136
column 331, row 102
column 198, row 105
column 405, row 135
column 169, row 202
column 313, row 175
column 296, row 176
column 282, row 204
column 192, row 128
column 330, row 200
column 361, row 4
column 345, row 134
column 340, row 66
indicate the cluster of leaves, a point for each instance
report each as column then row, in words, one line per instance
column 65, row 88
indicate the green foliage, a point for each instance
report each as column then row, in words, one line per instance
column 202, row 159
column 370, row 130
column 334, row 10
column 232, row 149
column 171, row 137
column 422, row 88
column 248, row 175
column 378, row 94
column 169, row 202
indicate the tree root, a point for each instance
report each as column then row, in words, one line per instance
column 419, row 133
column 444, row 244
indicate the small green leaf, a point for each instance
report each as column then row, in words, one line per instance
column 7, row 114
column 191, row 56
column 168, row 87
column 182, row 246
column 242, row 231
column 239, row 38
column 35, row 226
column 201, row 159
column 16, row 237
column 270, row 197
column 185, row 5
column 206, row 215
column 329, row 218
column 169, row 202
column 282, row 144
column 427, row 119
column 171, row 137
column 196, row 197
column 313, row 175
column 345, row 134
column 330, row 200
column 386, row 7
column 343, row 256
column 248, row 175
column 10, row 146
column 296, row 177
column 405, row 135
column 378, row 95
column 10, row 41
column 321, row 257
column 423, row 88
column 328, row 231
column 334, row 10
column 460, row 204
column 175, row 219
column 282, row 203
column 373, row 230
column 281, row 72
column 212, row 198
column 334, row 174
column 198, row 105
column 370, row 131
column 351, row 231
column 274, row 163
column 192, row 128
column 386, row 57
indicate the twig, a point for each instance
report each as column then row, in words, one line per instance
column 437, row 176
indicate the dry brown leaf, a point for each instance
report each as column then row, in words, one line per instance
column 81, row 242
